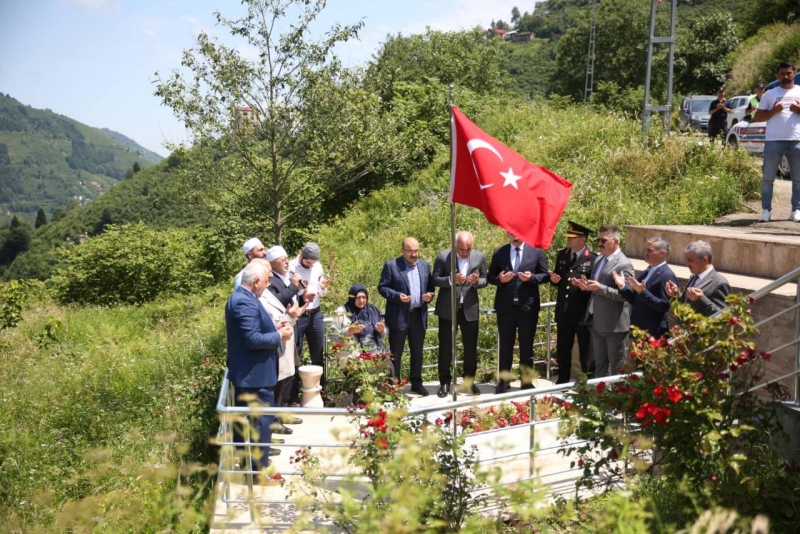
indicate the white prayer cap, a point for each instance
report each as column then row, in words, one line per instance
column 276, row 252
column 251, row 243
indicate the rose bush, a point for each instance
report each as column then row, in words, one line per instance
column 687, row 412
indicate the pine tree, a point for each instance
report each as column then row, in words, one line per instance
column 41, row 218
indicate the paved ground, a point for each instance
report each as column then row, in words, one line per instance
column 781, row 208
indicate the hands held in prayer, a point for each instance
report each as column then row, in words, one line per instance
column 405, row 298
column 379, row 327
column 555, row 278
column 285, row 330
column 295, row 310
column 619, row 279
column 585, row 285
column 506, row 276
column 635, row 284
column 324, row 282
column 427, row 296
column 694, row 293
column 524, row 276
column 355, row 328
column 672, row 289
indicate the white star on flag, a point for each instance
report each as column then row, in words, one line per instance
column 511, row 178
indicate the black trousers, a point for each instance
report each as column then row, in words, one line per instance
column 416, row 338
column 313, row 328
column 258, row 431
column 469, row 338
column 565, row 339
column 509, row 323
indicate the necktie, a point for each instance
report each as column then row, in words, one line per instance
column 692, row 282
column 574, row 256
column 517, row 260
column 599, row 268
column 646, row 274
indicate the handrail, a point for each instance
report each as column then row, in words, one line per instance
column 775, row 284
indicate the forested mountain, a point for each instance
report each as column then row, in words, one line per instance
column 149, row 155
column 47, row 159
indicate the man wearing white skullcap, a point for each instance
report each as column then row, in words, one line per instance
column 252, row 248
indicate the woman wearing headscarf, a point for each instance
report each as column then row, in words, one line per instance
column 365, row 322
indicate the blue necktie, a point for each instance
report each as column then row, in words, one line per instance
column 516, row 261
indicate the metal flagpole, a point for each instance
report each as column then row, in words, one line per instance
column 453, row 309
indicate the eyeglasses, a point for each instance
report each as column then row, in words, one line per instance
column 602, row 240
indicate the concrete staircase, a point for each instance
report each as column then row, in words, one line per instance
column 749, row 257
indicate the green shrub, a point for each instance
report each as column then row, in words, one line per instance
column 132, row 264
column 12, row 297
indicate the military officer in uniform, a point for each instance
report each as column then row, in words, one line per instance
column 574, row 261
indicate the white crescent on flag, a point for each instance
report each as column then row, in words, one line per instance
column 474, row 144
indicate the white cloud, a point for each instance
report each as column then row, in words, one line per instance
column 467, row 15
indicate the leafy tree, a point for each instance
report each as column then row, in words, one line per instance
column 17, row 241
column 278, row 131
column 515, row 16
column 703, row 53
column 764, row 12
column 41, row 218
column 136, row 167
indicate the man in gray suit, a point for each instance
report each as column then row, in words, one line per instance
column 471, row 273
column 608, row 312
column 707, row 289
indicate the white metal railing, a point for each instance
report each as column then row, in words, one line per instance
column 228, row 412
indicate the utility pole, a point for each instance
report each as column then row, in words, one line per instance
column 587, row 91
column 670, row 40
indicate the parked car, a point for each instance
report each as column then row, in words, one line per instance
column 775, row 83
column 694, row 112
column 738, row 109
column 749, row 136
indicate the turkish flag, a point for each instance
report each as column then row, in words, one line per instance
column 524, row 199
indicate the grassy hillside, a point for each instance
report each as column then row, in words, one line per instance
column 46, row 159
column 150, row 196
column 149, row 155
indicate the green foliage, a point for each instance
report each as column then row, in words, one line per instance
column 12, row 297
column 759, row 56
column 109, row 429
column 313, row 126
column 47, row 158
column 532, row 66
column 760, row 13
column 703, row 54
column 15, row 241
column 41, row 218
column 700, row 423
column 132, row 264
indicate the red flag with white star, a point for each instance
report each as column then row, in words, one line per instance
column 520, row 197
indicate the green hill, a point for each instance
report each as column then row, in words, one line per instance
column 47, row 159
column 149, row 155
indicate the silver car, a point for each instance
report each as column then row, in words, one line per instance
column 694, row 112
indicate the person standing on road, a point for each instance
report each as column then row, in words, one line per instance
column 780, row 108
column 718, row 115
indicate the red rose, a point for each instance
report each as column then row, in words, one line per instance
column 673, row 394
column 733, row 321
column 765, row 355
column 382, row 443
column 600, row 387
column 658, row 391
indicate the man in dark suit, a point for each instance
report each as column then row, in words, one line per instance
column 253, row 343
column 517, row 270
column 648, row 292
column 608, row 312
column 707, row 289
column 407, row 286
column 471, row 273
column 573, row 262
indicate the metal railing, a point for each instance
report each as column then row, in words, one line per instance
column 229, row 471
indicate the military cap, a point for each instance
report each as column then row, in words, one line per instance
column 577, row 230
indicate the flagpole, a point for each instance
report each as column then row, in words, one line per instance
column 453, row 309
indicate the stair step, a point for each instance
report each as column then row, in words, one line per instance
column 749, row 251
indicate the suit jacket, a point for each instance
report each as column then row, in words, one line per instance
column 394, row 280
column 284, row 292
column 715, row 288
column 611, row 312
column 527, row 293
column 253, row 342
column 651, row 307
column 571, row 302
column 466, row 292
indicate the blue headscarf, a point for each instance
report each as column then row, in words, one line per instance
column 368, row 316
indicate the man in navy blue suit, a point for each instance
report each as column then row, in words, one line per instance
column 517, row 270
column 407, row 286
column 648, row 291
column 253, row 343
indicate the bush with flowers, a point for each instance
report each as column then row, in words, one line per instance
column 687, row 413
column 504, row 415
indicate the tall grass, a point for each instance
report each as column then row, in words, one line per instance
column 100, row 406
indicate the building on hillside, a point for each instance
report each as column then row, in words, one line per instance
column 520, row 37
column 495, row 32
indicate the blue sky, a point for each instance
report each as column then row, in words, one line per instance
column 95, row 60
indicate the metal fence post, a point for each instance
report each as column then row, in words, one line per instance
column 532, row 462
column 797, row 348
column 549, row 339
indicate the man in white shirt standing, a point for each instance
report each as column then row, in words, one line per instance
column 310, row 325
column 780, row 108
